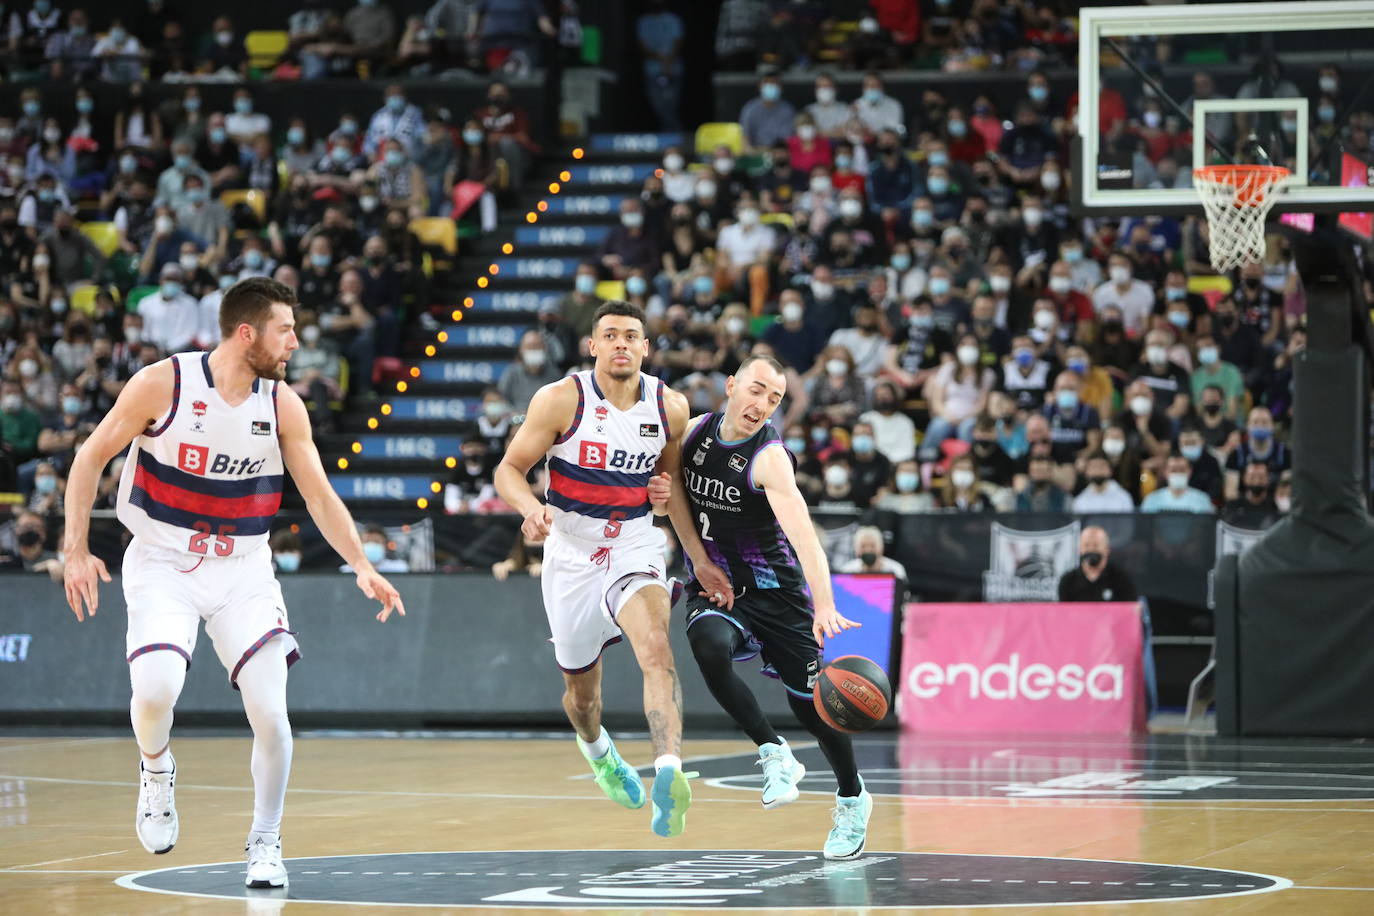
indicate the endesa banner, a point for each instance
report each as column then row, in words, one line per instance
column 1043, row 668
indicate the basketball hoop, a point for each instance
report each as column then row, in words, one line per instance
column 1237, row 199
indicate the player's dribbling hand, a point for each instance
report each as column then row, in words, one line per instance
column 829, row 623
column 660, row 488
column 715, row 584
column 79, row 580
column 537, row 524
column 376, row 587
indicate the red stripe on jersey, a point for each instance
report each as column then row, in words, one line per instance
column 598, row 494
column 220, row 507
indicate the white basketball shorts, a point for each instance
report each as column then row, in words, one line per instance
column 168, row 594
column 585, row 585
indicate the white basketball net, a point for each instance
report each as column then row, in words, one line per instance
column 1236, row 207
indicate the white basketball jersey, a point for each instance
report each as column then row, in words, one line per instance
column 600, row 468
column 205, row 479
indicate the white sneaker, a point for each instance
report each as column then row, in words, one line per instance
column 155, row 820
column 265, row 868
column 781, row 773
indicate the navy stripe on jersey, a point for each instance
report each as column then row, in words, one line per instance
column 663, row 412
column 594, row 511
column 176, row 399
column 210, row 378
column 577, row 417
column 597, row 476
column 261, row 485
column 160, row 512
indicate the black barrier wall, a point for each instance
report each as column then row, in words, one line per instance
column 470, row 650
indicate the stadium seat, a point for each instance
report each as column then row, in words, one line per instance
column 137, row 295
column 83, row 298
column 778, row 219
column 105, row 236
column 256, row 200
column 265, row 48
column 711, row 135
column 610, row 289
column 438, row 231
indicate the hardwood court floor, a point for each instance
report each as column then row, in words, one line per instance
column 1304, row 812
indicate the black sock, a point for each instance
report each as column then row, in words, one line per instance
column 714, row 641
column 836, row 746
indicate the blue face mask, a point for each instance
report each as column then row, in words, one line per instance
column 197, row 195
column 923, row 322
column 922, row 219
column 1038, row 93
column 1066, row 399
column 170, row 289
column 397, row 103
column 1024, row 358
column 703, row 285
column 1073, row 255
column 1260, row 434
column 46, row 194
column 320, row 260
column 374, row 552
column 32, row 108
column 958, row 129
column 863, row 444
column 128, row 164
column 182, row 161
column 1078, row 365
column 227, row 281
column 820, row 435
column 243, row 106
column 770, row 92
column 472, row 137
column 77, row 30
column 1208, row 355
column 938, row 286
column 191, row 104
column 42, row 7
column 938, row 185
column 939, row 158
column 1326, row 113
column 796, row 445
column 1179, row 319
column 585, row 284
column 252, row 258
column 907, row 481
column 1174, row 293
column 71, row 405
column 1191, row 452
column 636, row 286
column 288, row 562
column 348, row 128
column 45, row 484
column 85, row 105
column 295, row 136
column 340, row 154
column 873, row 96
column 394, row 158
column 843, row 161
column 901, row 262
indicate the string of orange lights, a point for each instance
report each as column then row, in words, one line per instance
column 484, row 281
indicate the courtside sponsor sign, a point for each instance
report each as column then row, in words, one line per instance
column 1048, row 668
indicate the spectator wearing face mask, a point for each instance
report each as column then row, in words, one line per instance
column 1168, row 382
column 223, row 51
column 870, row 469
column 1259, row 446
column 1025, row 376
column 767, row 118
column 204, row 218
column 1040, row 493
column 1239, row 344
column 1102, row 493
column 1133, row 297
column 30, row 553
column 397, row 119
column 1252, row 505
column 1074, row 425
column 48, row 488
column 1113, row 350
column 578, row 306
column 992, row 462
column 956, row 394
column 743, row 251
column 1085, row 273
column 903, row 494
column 962, row 490
column 32, row 369
column 864, row 341
column 876, row 110
column 171, row 317
column 1147, row 427
column 20, row 427
column 171, row 184
column 494, row 423
column 1206, row 474
column 894, row 433
column 377, row 550
column 630, row 245
column 69, row 52
column 837, row 487
column 315, row 373
column 1279, row 387
column 795, row 339
column 1214, row 372
column 869, row 556
column 531, row 371
column 1179, row 495
column 40, row 206
column 286, row 551
column 1124, row 457
column 829, row 114
column 836, row 390
column 1096, row 578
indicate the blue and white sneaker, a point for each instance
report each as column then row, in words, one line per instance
column 672, row 797
column 156, row 822
column 781, row 773
column 616, row 778
column 847, row 837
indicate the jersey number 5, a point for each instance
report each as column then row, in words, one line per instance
column 612, row 528
column 224, row 544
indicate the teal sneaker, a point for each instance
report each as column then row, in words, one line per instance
column 847, row 837
column 781, row 773
column 672, row 798
column 616, row 778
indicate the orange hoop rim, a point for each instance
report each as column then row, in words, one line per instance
column 1237, row 175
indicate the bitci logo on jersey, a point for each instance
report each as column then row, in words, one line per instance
column 593, row 455
column 195, row 459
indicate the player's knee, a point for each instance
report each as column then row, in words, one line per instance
column 708, row 647
column 152, row 699
column 583, row 702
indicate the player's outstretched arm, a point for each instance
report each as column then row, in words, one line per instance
column 147, row 396
column 773, row 471
column 550, row 412
column 326, row 508
column 715, row 584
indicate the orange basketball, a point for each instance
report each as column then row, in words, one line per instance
column 852, row 694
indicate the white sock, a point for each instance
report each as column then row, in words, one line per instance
column 600, row 747
column 162, row 763
column 667, row 760
column 262, row 686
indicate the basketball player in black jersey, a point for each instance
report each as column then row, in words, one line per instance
column 736, row 506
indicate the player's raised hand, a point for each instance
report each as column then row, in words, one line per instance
column 79, row 580
column 660, row 488
column 537, row 524
column 715, row 584
column 375, row 586
column 828, row 622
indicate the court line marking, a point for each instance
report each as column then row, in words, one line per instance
column 1314, row 887
column 63, row 871
column 94, row 855
column 810, row 745
column 1280, row 884
column 6, row 748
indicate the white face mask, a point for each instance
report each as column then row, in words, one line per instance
column 163, row 225
column 1120, row 275
column 736, row 326
column 705, row 189
column 133, row 335
column 1032, row 216
column 1060, row 285
column 40, row 261
column 748, row 217
column 28, row 367
column 1178, row 481
column 820, row 184
column 189, row 262
column 725, row 165
column 1044, row 320
column 836, row 366
column 1050, row 181
column 825, row 94
column 534, row 359
column 851, row 208
column 836, row 476
column 1142, row 405
column 1328, row 84
column 962, row 477
column 821, row 290
column 792, row 312
column 673, row 162
column 968, row 355
column 632, row 219
column 310, row 333
column 1113, row 447
column 1156, row 355
column 999, row 283
column 1284, row 503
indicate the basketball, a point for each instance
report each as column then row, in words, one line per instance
column 852, row 694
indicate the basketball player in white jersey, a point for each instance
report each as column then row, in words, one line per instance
column 605, row 432
column 208, row 435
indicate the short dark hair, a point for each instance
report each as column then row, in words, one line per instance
column 618, row 307
column 772, row 363
column 250, row 302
